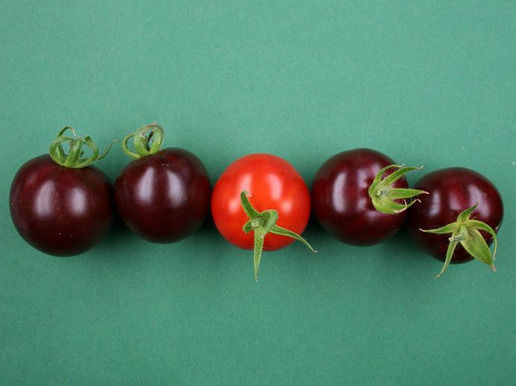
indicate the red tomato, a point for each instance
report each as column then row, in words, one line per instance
column 271, row 183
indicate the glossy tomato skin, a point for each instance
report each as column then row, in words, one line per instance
column 164, row 197
column 341, row 202
column 271, row 183
column 451, row 191
column 60, row 211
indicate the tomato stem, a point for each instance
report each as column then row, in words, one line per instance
column 75, row 156
column 385, row 197
column 147, row 140
column 262, row 223
column 466, row 231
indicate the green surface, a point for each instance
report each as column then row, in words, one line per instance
column 425, row 82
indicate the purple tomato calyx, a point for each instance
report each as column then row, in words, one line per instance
column 147, row 140
column 466, row 231
column 385, row 197
column 262, row 223
column 75, row 157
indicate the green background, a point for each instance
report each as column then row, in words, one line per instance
column 425, row 82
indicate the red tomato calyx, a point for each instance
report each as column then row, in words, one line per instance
column 262, row 223
column 466, row 231
column 147, row 140
column 75, row 157
column 384, row 196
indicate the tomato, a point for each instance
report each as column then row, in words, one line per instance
column 459, row 218
column 59, row 203
column 263, row 183
column 359, row 196
column 163, row 195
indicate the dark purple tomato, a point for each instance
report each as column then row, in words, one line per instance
column 58, row 210
column 165, row 196
column 452, row 191
column 341, row 202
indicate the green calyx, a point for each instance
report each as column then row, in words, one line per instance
column 466, row 231
column 75, row 158
column 385, row 197
column 263, row 223
column 147, row 140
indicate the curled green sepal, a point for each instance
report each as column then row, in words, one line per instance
column 75, row 158
column 384, row 196
column 147, row 140
column 466, row 231
column 263, row 223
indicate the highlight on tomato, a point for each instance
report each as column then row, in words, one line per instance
column 261, row 202
column 360, row 196
column 163, row 195
column 59, row 202
column 459, row 218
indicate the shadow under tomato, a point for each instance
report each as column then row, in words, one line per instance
column 400, row 257
column 120, row 245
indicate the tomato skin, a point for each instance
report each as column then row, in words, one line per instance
column 451, row 191
column 271, row 183
column 341, row 202
column 164, row 197
column 60, row 211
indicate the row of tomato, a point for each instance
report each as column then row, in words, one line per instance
column 62, row 205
